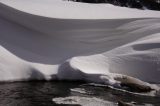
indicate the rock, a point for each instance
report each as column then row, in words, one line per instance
column 121, row 103
column 141, row 4
column 134, row 85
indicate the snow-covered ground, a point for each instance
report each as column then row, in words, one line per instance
column 60, row 40
column 72, row 10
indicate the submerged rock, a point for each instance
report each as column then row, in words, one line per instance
column 121, row 103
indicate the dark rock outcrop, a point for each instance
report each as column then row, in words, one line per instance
column 140, row 4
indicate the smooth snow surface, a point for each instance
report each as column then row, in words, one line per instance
column 121, row 46
column 72, row 10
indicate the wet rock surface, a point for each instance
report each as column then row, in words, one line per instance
column 141, row 4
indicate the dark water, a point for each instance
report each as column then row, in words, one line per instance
column 42, row 93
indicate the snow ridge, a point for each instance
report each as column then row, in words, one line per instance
column 115, row 49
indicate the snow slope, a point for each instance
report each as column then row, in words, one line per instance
column 59, row 40
column 72, row 10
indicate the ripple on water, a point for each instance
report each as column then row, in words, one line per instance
column 51, row 93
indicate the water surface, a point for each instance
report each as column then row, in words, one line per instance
column 42, row 93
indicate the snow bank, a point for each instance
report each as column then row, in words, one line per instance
column 120, row 47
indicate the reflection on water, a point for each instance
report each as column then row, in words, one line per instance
column 42, row 93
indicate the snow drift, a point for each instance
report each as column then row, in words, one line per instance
column 57, row 40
